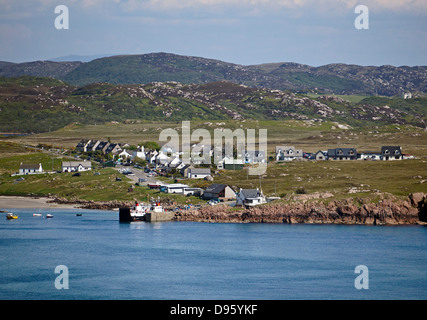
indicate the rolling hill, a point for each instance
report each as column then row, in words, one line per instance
column 163, row 67
column 30, row 104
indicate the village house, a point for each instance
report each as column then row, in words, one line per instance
column 391, row 153
column 76, row 166
column 250, row 197
column 288, row 153
column 175, row 163
column 102, row 146
column 221, row 192
column 230, row 164
column 255, row 157
column 124, row 155
column 342, row 154
column 92, row 145
column 113, row 148
column 184, row 169
column 138, row 153
column 30, row 169
column 198, row 173
column 82, row 146
column 320, row 155
column 162, row 159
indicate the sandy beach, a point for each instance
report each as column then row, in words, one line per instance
column 28, row 202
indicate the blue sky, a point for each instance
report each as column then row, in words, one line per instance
column 313, row 32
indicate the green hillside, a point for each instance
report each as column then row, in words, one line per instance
column 34, row 105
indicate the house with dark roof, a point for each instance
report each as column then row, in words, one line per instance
column 92, row 145
column 102, row 146
column 250, row 197
column 391, row 153
column 30, row 168
column 113, row 148
column 82, row 146
column 195, row 173
column 342, row 154
column 218, row 191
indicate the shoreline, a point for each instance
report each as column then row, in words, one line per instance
column 388, row 211
column 19, row 202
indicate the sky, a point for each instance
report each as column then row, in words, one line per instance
column 246, row 32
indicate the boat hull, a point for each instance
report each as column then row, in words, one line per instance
column 126, row 216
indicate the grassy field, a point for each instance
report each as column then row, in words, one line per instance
column 343, row 179
column 308, row 135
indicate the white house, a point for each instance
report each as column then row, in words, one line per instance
column 30, row 168
column 320, row 155
column 175, row 163
column 198, row 173
column 230, row 164
column 139, row 153
column 162, row 159
column 124, row 155
column 391, row 153
column 76, row 166
column 288, row 153
column 250, row 197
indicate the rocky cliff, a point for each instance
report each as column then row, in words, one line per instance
column 389, row 211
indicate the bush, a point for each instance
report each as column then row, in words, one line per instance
column 301, row 190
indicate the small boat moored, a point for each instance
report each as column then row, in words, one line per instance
column 37, row 214
column 49, row 216
column 11, row 216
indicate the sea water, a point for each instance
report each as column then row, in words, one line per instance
column 106, row 259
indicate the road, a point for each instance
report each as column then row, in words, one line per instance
column 137, row 174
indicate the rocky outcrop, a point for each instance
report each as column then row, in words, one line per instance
column 388, row 211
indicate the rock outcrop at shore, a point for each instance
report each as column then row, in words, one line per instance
column 389, row 211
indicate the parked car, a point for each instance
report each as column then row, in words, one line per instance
column 77, row 174
column 118, row 179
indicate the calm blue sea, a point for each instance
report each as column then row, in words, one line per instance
column 185, row 260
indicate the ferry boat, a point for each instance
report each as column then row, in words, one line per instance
column 11, row 216
column 138, row 211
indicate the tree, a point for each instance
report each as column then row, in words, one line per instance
column 151, row 145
